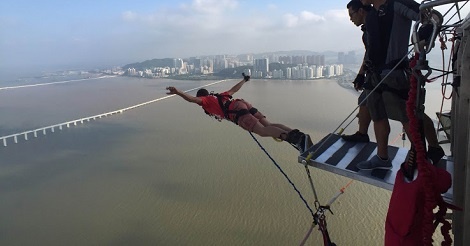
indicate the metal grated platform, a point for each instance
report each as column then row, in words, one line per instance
column 341, row 157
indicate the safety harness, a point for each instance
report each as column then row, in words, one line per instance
column 225, row 107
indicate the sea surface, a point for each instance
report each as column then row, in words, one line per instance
column 167, row 174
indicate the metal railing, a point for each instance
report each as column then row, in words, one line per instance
column 431, row 4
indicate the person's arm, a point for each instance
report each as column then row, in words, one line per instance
column 407, row 8
column 239, row 85
column 185, row 96
column 236, row 87
column 360, row 78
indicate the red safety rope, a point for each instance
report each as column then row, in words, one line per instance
column 431, row 196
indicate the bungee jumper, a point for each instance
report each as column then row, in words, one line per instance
column 222, row 106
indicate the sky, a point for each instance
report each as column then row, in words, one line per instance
column 51, row 33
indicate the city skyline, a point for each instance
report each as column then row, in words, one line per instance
column 283, row 67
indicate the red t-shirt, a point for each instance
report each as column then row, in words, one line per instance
column 211, row 104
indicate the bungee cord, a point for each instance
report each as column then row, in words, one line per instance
column 318, row 217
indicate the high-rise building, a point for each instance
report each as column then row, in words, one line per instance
column 247, row 71
column 278, row 74
column 311, row 72
column 177, row 63
column 338, row 69
column 330, row 71
column 297, row 59
column 351, row 58
column 261, row 67
column 303, row 73
column 295, row 73
column 319, row 72
column 311, row 60
column 341, row 57
column 197, row 62
column 322, row 60
column 285, row 59
column 273, row 58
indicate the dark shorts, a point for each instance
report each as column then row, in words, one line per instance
column 247, row 121
column 388, row 101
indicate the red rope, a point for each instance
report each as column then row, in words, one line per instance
column 446, row 226
column 431, row 196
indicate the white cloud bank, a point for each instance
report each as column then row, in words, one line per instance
column 192, row 28
column 221, row 27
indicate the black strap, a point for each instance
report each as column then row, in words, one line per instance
column 241, row 112
column 221, row 103
column 238, row 113
column 401, row 93
column 253, row 111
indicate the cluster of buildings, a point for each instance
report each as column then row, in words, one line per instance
column 194, row 66
column 303, row 70
column 347, row 58
column 307, row 72
column 272, row 66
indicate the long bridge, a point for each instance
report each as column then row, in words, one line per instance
column 24, row 136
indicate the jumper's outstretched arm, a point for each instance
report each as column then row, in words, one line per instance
column 239, row 85
column 185, row 96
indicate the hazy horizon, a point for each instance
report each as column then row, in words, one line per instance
column 106, row 33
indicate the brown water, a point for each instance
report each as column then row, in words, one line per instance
column 166, row 174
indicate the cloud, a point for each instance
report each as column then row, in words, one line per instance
column 291, row 20
column 303, row 18
column 272, row 6
column 200, row 28
column 129, row 16
column 197, row 28
column 310, row 17
column 212, row 6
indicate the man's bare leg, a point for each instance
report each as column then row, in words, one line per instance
column 381, row 160
column 382, row 130
column 364, row 119
column 265, row 122
column 270, row 131
column 364, row 123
